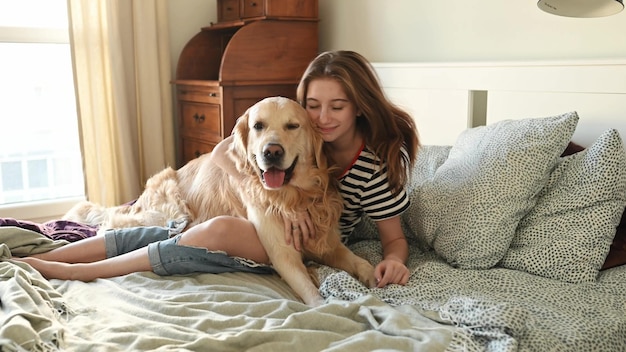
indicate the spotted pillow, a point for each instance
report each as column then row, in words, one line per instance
column 568, row 234
column 469, row 210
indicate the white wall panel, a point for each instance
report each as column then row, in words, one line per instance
column 440, row 95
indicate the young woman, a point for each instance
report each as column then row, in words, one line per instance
column 374, row 145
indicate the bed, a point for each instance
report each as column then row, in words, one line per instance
column 515, row 231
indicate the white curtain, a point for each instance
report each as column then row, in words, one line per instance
column 122, row 71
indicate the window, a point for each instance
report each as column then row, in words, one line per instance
column 40, row 158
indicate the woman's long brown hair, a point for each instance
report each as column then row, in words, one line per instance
column 385, row 127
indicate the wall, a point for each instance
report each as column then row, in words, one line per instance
column 436, row 31
column 461, row 30
column 186, row 18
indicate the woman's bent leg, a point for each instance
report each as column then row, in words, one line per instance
column 199, row 249
column 235, row 236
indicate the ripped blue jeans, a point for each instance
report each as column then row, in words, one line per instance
column 167, row 257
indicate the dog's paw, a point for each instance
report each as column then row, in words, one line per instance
column 365, row 274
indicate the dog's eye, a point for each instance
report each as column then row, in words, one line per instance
column 258, row 126
column 292, row 126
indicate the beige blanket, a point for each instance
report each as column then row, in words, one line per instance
column 204, row 312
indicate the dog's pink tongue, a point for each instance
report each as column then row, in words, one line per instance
column 274, row 178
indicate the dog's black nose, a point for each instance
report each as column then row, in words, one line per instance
column 273, row 152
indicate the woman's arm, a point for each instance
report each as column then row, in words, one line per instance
column 392, row 269
column 218, row 156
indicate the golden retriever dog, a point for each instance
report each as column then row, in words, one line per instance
column 284, row 171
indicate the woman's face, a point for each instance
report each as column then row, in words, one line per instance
column 328, row 106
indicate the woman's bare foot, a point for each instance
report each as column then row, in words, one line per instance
column 52, row 270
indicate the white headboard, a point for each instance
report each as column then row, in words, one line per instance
column 446, row 98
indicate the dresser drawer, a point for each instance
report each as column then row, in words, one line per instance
column 193, row 149
column 200, row 94
column 227, row 10
column 253, row 8
column 201, row 118
column 234, row 10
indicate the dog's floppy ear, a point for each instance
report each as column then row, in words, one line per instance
column 323, row 160
column 318, row 150
column 317, row 145
column 239, row 147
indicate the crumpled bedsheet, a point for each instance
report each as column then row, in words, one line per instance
column 505, row 310
column 441, row 309
column 203, row 312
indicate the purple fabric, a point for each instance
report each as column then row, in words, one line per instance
column 56, row 229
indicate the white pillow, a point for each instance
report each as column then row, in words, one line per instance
column 568, row 234
column 469, row 210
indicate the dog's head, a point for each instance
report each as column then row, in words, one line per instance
column 277, row 140
column 276, row 144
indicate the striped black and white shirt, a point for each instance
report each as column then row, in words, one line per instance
column 365, row 189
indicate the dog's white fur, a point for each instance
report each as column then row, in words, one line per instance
column 276, row 132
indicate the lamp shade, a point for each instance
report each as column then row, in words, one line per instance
column 581, row 8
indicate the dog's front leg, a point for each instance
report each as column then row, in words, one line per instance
column 338, row 256
column 341, row 257
column 286, row 260
column 291, row 268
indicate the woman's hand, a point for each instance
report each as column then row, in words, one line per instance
column 300, row 230
column 391, row 271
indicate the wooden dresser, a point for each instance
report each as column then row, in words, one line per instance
column 257, row 48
